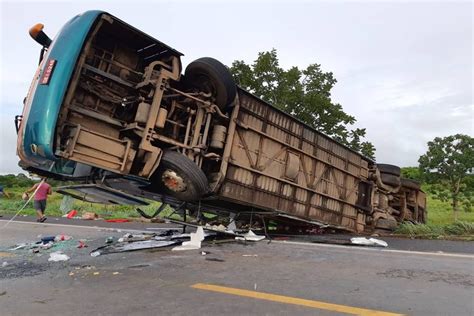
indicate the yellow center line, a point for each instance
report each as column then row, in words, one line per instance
column 293, row 300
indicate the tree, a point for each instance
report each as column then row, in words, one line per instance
column 448, row 164
column 413, row 173
column 305, row 94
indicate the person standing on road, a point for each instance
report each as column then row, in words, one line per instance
column 43, row 189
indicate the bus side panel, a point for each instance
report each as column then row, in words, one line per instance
column 279, row 163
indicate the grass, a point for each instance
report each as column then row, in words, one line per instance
column 12, row 204
column 431, row 231
column 441, row 222
column 441, row 213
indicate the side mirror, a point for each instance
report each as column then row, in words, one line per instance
column 36, row 32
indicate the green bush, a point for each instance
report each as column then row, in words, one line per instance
column 431, row 230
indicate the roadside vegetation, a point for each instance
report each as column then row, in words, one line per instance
column 11, row 204
column 446, row 170
column 441, row 223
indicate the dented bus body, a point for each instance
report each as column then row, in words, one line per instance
column 110, row 107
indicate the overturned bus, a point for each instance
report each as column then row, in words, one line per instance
column 110, row 108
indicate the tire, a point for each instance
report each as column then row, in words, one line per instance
column 410, row 184
column 389, row 169
column 210, row 75
column 388, row 224
column 179, row 177
column 390, row 179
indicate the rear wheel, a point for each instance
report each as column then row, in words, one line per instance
column 410, row 184
column 390, row 169
column 211, row 76
column 180, row 177
column 389, row 224
column 390, row 179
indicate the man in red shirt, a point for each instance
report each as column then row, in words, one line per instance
column 43, row 189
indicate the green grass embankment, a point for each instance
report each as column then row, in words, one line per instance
column 441, row 223
column 13, row 203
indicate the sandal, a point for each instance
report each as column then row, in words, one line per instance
column 43, row 219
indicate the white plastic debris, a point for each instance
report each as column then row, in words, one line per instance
column 250, row 236
column 231, row 227
column 47, row 246
column 58, row 256
column 4, row 264
column 194, row 243
column 368, row 242
column 19, row 246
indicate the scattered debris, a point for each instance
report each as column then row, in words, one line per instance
column 19, row 246
column 109, row 240
column 3, row 293
column 82, row 244
column 368, row 242
column 138, row 266
column 62, row 238
column 137, row 237
column 117, row 220
column 249, row 255
column 131, row 246
column 215, row 259
column 89, row 216
column 219, row 227
column 47, row 246
column 207, row 227
column 71, row 214
column 4, row 264
column 194, row 243
column 250, row 236
column 48, row 239
column 115, row 273
column 58, row 256
column 96, row 273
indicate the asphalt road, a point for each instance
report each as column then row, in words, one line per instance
column 280, row 278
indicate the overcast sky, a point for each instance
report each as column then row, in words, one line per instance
column 404, row 69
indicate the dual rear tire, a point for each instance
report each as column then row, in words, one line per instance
column 178, row 176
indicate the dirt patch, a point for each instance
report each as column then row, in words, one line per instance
column 22, row 269
column 430, row 276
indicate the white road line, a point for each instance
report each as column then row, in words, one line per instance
column 93, row 227
column 424, row 253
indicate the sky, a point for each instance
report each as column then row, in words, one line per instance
column 404, row 69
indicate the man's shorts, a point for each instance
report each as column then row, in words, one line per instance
column 40, row 205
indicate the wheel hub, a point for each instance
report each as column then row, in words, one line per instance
column 173, row 181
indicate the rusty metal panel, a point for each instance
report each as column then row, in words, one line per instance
column 279, row 163
column 100, row 150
